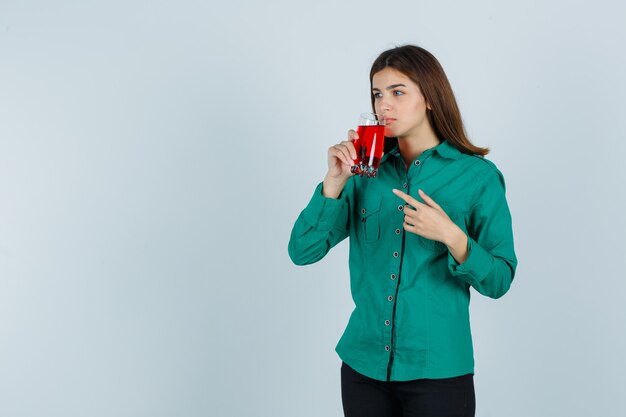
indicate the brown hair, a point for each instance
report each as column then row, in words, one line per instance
column 424, row 70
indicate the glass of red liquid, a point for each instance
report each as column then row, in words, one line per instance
column 369, row 146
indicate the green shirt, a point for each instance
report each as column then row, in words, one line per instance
column 411, row 316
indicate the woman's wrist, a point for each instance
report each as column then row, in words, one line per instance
column 332, row 186
column 457, row 244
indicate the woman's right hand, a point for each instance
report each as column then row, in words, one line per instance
column 340, row 160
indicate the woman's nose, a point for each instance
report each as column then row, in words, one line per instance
column 383, row 105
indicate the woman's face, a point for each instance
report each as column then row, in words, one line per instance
column 400, row 102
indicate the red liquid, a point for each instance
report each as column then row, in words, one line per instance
column 369, row 148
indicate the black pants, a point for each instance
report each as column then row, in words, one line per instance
column 367, row 397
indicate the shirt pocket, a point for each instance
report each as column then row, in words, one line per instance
column 456, row 216
column 369, row 217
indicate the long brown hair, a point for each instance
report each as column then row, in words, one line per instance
column 424, row 70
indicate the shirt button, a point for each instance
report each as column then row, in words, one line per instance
column 387, row 322
column 387, row 348
column 405, row 185
column 393, row 276
column 400, row 207
column 397, row 231
column 363, row 211
column 417, row 162
column 395, row 254
column 390, row 298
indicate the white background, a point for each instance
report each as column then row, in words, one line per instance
column 154, row 156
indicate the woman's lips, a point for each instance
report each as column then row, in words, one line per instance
column 389, row 121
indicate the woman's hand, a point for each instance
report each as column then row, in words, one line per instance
column 427, row 220
column 430, row 221
column 340, row 160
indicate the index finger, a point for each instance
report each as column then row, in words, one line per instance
column 407, row 198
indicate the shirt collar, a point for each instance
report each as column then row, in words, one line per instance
column 446, row 150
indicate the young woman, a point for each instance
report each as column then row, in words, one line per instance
column 432, row 224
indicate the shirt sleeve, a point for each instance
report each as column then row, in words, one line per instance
column 321, row 225
column 491, row 262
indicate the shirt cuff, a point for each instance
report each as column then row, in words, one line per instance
column 322, row 212
column 477, row 265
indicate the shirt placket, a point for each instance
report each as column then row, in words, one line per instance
column 396, row 269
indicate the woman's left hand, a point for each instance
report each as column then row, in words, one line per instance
column 426, row 220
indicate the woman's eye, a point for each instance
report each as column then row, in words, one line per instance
column 395, row 92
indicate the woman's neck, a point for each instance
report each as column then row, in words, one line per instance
column 412, row 146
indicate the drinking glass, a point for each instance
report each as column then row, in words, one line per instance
column 369, row 146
